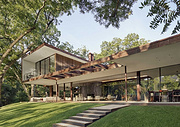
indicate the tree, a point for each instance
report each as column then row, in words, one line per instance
column 132, row 40
column 163, row 12
column 16, row 71
column 23, row 24
column 66, row 46
column 117, row 44
column 112, row 12
column 13, row 90
column 82, row 52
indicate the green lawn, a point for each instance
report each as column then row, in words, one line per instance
column 142, row 116
column 45, row 114
column 39, row 114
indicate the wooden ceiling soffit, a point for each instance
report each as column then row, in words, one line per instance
column 81, row 71
column 53, row 78
column 100, row 66
column 59, row 76
column 68, row 75
column 103, row 66
column 87, row 69
column 75, row 73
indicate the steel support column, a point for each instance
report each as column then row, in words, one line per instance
column 159, row 78
column 125, row 83
column 50, row 91
column 71, row 92
column 160, row 84
column 57, row 91
column 64, row 92
column 32, row 90
column 138, row 86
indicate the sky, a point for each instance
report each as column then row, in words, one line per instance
column 82, row 29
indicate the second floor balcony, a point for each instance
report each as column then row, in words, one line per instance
column 41, row 67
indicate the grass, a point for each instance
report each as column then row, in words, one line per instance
column 39, row 114
column 45, row 114
column 142, row 116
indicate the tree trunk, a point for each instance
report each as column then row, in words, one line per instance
column 1, row 81
column 20, row 81
column 0, row 93
column 25, row 89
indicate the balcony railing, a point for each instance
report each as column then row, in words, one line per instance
column 30, row 74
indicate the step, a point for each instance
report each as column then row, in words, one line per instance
column 109, row 108
column 83, row 118
column 96, row 112
column 88, row 116
column 76, row 122
column 64, row 125
column 91, row 115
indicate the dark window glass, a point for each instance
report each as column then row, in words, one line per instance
column 52, row 63
column 37, row 68
column 42, row 67
column 45, row 66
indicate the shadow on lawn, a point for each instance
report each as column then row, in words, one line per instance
column 39, row 114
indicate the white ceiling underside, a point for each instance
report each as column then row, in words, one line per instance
column 45, row 52
column 167, row 57
column 154, row 58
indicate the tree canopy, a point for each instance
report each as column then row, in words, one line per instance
column 81, row 52
column 117, row 44
column 163, row 12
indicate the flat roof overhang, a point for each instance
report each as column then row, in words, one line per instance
column 45, row 50
column 146, row 58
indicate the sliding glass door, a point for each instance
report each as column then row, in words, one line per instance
column 45, row 66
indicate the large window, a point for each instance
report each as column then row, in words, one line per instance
column 52, row 63
column 46, row 65
column 42, row 67
column 38, row 68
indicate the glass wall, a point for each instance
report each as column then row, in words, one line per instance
column 38, row 68
column 45, row 66
column 157, row 85
column 52, row 63
column 164, row 84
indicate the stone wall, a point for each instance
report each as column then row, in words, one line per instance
column 91, row 89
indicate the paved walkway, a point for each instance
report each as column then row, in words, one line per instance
column 143, row 103
column 89, row 116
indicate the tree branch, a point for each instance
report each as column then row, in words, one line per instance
column 20, row 81
column 114, row 13
column 47, row 25
column 21, row 36
column 5, row 69
column 39, row 12
column 12, row 44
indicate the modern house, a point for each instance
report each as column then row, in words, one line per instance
column 60, row 70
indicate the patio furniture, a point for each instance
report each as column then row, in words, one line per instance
column 109, row 97
column 97, row 98
column 90, row 98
